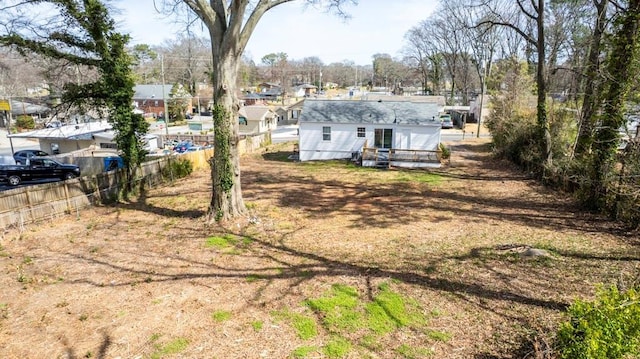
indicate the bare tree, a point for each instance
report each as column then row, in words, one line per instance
column 528, row 20
column 230, row 25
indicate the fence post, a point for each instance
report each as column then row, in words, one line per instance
column 66, row 196
column 29, row 206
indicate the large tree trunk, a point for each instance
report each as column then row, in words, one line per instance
column 620, row 68
column 226, row 199
column 541, row 80
column 591, row 88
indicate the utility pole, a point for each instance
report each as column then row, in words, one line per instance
column 164, row 98
column 483, row 79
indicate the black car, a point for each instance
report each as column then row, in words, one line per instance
column 22, row 156
column 38, row 169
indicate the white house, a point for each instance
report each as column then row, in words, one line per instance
column 256, row 119
column 304, row 90
column 399, row 133
column 67, row 138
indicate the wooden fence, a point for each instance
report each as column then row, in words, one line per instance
column 47, row 201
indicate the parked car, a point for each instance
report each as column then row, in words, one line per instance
column 194, row 148
column 38, row 168
column 22, row 156
column 182, row 146
column 445, row 121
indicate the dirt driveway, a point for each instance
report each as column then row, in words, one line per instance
column 334, row 261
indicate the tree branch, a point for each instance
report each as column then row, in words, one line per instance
column 512, row 27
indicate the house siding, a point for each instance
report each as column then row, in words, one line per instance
column 344, row 140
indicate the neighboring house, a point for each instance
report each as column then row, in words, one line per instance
column 254, row 99
column 67, row 138
column 269, row 91
column 400, row 133
column 256, row 119
column 304, row 90
column 106, row 141
column 150, row 99
column 289, row 114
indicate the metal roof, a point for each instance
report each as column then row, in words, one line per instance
column 80, row 131
column 374, row 112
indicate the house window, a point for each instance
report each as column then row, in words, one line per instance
column 382, row 137
column 242, row 120
column 326, row 133
column 108, row 145
column 361, row 132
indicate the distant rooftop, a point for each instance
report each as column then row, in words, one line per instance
column 71, row 132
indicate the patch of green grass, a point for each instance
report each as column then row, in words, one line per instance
column 27, row 260
column 257, row 325
column 422, row 177
column 305, row 326
column 304, row 351
column 337, row 347
column 221, row 315
column 339, row 308
column 228, row 243
column 223, row 242
column 439, row 336
column 173, row 347
column 253, row 278
column 83, row 317
column 321, row 166
column 410, row 352
column 155, row 337
column 390, row 310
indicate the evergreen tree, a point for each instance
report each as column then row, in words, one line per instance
column 84, row 34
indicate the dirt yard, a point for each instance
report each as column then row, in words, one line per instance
column 334, row 261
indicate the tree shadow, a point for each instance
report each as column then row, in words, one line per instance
column 101, row 352
column 280, row 156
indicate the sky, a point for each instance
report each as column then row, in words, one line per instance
column 376, row 26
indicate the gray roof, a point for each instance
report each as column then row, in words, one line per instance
column 146, row 92
column 374, row 112
column 26, row 108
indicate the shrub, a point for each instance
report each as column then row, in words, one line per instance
column 25, row 122
column 445, row 151
column 608, row 327
column 177, row 169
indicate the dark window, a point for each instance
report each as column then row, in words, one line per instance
column 382, row 137
column 361, row 132
column 108, row 145
column 326, row 133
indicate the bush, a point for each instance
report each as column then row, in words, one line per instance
column 25, row 122
column 178, row 168
column 445, row 151
column 608, row 327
